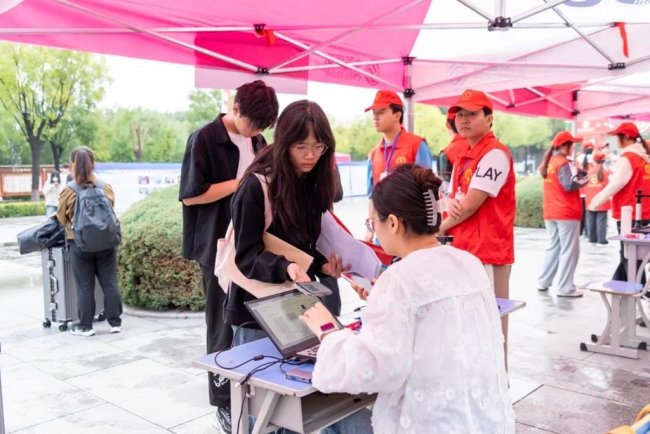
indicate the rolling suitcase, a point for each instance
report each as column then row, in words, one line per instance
column 60, row 292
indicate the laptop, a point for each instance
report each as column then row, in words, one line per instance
column 279, row 316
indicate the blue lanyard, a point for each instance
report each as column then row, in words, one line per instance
column 388, row 158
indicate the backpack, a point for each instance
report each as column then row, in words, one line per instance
column 95, row 226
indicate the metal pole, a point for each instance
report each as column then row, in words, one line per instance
column 408, row 95
column 2, row 413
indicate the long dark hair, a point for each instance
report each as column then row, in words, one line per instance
column 83, row 163
column 543, row 168
column 295, row 123
column 402, row 194
column 638, row 139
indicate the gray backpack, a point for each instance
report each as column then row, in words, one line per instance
column 95, row 226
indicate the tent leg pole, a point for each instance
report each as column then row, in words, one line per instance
column 408, row 94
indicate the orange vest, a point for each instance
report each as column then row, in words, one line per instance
column 489, row 233
column 627, row 195
column 594, row 186
column 559, row 204
column 458, row 146
column 406, row 151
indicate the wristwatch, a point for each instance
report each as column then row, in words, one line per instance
column 325, row 329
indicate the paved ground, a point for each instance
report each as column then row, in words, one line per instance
column 142, row 381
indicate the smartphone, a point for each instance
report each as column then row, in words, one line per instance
column 358, row 279
column 299, row 375
column 313, row 288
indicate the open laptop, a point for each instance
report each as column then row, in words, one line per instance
column 279, row 316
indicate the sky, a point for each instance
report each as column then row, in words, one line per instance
column 164, row 87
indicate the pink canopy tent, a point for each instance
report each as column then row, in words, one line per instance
column 423, row 48
column 628, row 97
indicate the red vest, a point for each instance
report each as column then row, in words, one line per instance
column 406, row 151
column 559, row 204
column 489, row 233
column 627, row 195
column 458, row 146
column 594, row 186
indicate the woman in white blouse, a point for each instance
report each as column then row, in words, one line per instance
column 431, row 345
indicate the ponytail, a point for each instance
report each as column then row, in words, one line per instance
column 585, row 162
column 599, row 176
column 644, row 143
column 83, row 163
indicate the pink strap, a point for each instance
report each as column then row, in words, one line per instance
column 268, row 211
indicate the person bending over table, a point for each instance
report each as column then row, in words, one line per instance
column 431, row 344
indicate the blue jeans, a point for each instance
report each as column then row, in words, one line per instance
column 357, row 423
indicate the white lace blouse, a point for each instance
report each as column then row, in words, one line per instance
column 431, row 346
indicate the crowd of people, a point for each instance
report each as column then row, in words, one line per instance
column 230, row 175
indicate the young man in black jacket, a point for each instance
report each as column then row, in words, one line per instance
column 216, row 157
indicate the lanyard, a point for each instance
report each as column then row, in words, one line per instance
column 388, row 158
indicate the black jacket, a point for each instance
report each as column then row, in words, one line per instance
column 210, row 158
column 251, row 258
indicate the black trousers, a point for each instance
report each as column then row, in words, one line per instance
column 597, row 226
column 87, row 265
column 621, row 270
column 219, row 335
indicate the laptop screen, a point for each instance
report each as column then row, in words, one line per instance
column 279, row 316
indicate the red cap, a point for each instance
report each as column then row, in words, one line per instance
column 471, row 100
column 384, row 98
column 564, row 136
column 627, row 128
column 588, row 145
column 599, row 156
column 451, row 116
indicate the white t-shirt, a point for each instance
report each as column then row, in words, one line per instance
column 491, row 173
column 246, row 153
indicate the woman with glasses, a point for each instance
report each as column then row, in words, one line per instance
column 431, row 345
column 297, row 168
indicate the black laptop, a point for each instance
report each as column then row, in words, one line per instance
column 279, row 316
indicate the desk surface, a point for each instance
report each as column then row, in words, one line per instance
column 614, row 287
column 506, row 307
column 272, row 378
column 624, row 239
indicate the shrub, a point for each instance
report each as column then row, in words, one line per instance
column 152, row 272
column 22, row 209
column 529, row 203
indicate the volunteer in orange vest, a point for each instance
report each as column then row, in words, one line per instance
column 397, row 145
column 597, row 220
column 482, row 201
column 582, row 158
column 631, row 172
column 458, row 146
column 562, row 215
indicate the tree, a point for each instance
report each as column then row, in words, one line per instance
column 38, row 86
column 205, row 105
column 139, row 136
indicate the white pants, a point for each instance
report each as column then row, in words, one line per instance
column 562, row 255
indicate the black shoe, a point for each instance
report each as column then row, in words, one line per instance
column 222, row 421
column 78, row 330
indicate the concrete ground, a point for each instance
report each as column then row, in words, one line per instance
column 142, row 380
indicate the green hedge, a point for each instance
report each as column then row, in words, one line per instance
column 151, row 270
column 22, row 209
column 529, row 203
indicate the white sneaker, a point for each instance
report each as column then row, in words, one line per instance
column 77, row 330
column 573, row 294
column 116, row 329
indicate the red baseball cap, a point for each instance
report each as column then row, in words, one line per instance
column 384, row 98
column 564, row 136
column 451, row 116
column 599, row 156
column 471, row 100
column 588, row 145
column 627, row 128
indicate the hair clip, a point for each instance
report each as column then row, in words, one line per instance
column 431, row 205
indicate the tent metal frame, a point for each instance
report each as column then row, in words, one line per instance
column 493, row 21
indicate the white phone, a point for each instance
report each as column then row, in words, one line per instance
column 356, row 278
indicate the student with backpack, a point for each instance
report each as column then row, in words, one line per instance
column 93, row 234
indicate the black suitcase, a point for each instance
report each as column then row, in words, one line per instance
column 60, row 292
